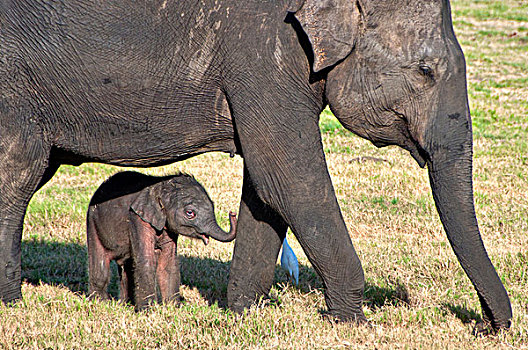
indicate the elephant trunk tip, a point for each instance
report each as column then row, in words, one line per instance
column 205, row 239
column 220, row 235
column 233, row 226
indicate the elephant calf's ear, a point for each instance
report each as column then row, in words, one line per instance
column 332, row 27
column 148, row 208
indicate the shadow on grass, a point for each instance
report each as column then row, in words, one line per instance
column 208, row 276
column 55, row 263
column 376, row 296
column 395, row 293
column 462, row 313
column 66, row 264
column 308, row 279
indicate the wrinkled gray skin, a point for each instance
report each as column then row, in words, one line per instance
column 144, row 83
column 136, row 219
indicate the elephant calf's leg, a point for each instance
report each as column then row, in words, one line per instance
column 168, row 272
column 98, row 264
column 142, row 239
column 126, row 288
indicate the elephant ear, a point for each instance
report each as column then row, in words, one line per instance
column 149, row 208
column 332, row 27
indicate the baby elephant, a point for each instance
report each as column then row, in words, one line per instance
column 135, row 219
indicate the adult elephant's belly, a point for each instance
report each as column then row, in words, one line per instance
column 140, row 130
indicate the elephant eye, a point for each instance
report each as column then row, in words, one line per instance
column 426, row 71
column 190, row 214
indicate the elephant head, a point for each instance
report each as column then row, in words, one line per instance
column 395, row 75
column 182, row 206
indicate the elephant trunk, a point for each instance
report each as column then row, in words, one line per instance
column 453, row 195
column 450, row 153
column 217, row 233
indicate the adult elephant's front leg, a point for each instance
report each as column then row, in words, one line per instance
column 260, row 233
column 284, row 158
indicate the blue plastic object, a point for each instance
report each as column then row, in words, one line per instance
column 289, row 261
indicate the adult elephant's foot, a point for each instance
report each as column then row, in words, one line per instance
column 10, row 249
column 346, row 305
column 238, row 302
column 10, row 290
column 356, row 317
column 485, row 327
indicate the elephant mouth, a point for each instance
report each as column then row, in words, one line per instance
column 204, row 238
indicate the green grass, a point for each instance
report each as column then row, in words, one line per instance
column 416, row 295
column 483, row 10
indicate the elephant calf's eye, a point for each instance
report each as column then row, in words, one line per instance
column 190, row 214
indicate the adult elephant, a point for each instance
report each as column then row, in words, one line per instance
column 145, row 83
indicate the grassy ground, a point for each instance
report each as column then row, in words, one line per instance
column 417, row 296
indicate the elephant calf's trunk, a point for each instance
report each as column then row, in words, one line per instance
column 221, row 235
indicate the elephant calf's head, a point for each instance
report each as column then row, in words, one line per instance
column 182, row 206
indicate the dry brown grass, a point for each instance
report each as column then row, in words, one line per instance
column 417, row 296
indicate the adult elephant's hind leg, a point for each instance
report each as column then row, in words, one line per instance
column 260, row 233
column 24, row 167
